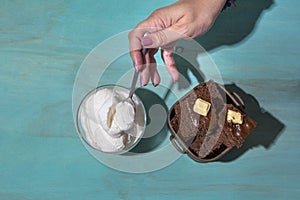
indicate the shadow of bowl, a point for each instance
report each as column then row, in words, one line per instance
column 156, row 126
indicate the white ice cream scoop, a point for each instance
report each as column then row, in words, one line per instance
column 121, row 116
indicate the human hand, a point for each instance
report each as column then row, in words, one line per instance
column 181, row 20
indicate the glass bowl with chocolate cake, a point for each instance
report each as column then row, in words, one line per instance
column 208, row 121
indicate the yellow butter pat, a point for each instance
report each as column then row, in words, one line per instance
column 234, row 117
column 201, row 107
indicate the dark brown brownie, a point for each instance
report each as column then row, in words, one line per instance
column 209, row 135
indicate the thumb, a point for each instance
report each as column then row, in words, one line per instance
column 161, row 38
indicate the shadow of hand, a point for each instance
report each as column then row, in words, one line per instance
column 234, row 24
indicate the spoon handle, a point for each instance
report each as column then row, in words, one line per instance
column 133, row 83
column 135, row 76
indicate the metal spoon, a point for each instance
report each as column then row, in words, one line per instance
column 129, row 99
column 133, row 83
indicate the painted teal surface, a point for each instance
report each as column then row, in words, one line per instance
column 42, row 44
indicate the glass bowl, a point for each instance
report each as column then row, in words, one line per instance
column 91, row 130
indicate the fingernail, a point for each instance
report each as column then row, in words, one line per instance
column 142, row 83
column 146, row 41
column 154, row 84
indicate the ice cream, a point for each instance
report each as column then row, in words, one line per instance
column 123, row 118
column 111, row 124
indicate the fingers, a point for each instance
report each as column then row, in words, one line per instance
column 145, row 64
column 168, row 58
column 145, row 70
column 165, row 39
column 135, row 48
column 161, row 38
column 161, row 35
column 149, row 69
column 155, row 78
column 137, row 59
column 135, row 37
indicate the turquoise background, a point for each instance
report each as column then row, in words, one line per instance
column 42, row 44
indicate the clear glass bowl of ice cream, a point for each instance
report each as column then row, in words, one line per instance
column 114, row 132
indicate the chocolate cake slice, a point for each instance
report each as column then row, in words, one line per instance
column 208, row 123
